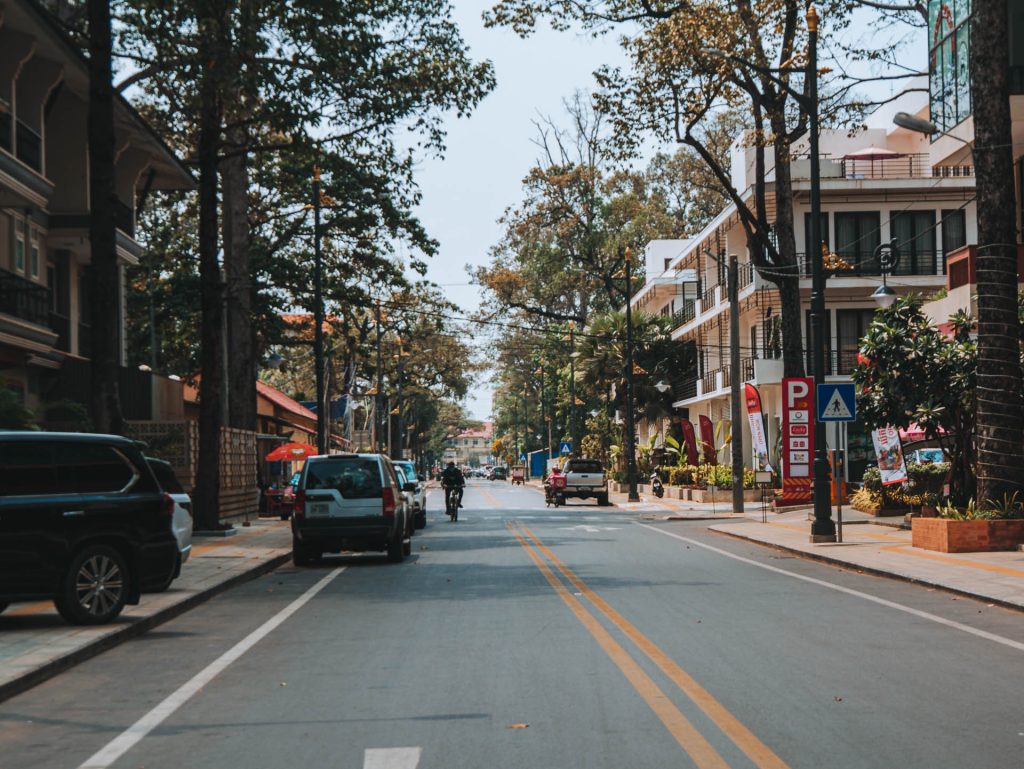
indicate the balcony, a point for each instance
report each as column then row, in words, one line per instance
column 709, row 298
column 920, row 263
column 24, row 299
column 28, row 146
column 895, row 166
column 837, row 362
column 962, row 270
column 685, row 314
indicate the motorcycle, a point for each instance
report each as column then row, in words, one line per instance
column 656, row 485
column 554, row 490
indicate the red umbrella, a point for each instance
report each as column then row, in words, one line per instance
column 291, row 452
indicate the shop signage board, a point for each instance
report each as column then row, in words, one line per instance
column 756, row 420
column 798, row 412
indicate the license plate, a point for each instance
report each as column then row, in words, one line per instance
column 318, row 510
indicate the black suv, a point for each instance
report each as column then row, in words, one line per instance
column 82, row 522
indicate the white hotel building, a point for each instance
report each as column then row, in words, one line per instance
column 898, row 194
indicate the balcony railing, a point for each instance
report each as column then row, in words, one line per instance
column 709, row 382
column 707, row 299
column 921, row 263
column 747, row 369
column 28, row 146
column 910, row 166
column 24, row 299
column 684, row 389
column 685, row 314
column 837, row 362
column 745, row 275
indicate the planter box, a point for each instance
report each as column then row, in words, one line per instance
column 949, row 536
column 723, row 495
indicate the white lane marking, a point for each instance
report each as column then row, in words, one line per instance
column 392, row 758
column 124, row 742
column 849, row 591
column 589, row 529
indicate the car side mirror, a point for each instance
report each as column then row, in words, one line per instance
column 409, row 487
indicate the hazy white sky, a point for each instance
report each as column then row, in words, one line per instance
column 490, row 152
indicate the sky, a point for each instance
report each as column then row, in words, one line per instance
column 491, row 151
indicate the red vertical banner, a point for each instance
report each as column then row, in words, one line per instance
column 691, row 442
column 755, row 419
column 707, row 438
column 797, row 439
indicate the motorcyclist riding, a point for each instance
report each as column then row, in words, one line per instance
column 452, row 477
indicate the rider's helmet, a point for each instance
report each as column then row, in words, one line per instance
column 451, row 464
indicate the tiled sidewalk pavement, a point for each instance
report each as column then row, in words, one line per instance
column 36, row 643
column 995, row 577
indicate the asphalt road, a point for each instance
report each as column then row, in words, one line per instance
column 547, row 639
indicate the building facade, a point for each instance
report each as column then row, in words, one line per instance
column 471, row 447
column 44, row 212
column 877, row 185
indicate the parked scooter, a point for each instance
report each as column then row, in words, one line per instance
column 656, row 485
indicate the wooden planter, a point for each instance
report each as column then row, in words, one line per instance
column 951, row 536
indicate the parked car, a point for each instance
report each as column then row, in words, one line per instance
column 499, row 474
column 408, row 487
column 83, row 522
column 419, row 506
column 927, row 456
column 350, row 502
column 586, row 478
column 181, row 520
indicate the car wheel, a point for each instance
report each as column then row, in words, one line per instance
column 421, row 520
column 301, row 555
column 396, row 548
column 95, row 586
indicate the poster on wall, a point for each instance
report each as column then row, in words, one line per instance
column 757, row 433
column 797, row 439
column 890, row 455
column 707, row 438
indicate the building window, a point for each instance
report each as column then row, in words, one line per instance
column 915, row 242
column 851, row 326
column 949, row 52
column 954, row 233
column 19, row 245
column 858, row 233
column 808, row 249
column 33, row 254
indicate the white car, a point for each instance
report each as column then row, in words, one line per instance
column 419, row 497
column 181, row 520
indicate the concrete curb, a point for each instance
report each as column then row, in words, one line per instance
column 870, row 570
column 134, row 629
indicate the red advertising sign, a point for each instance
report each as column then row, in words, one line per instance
column 707, row 437
column 691, row 442
column 797, row 439
column 756, row 421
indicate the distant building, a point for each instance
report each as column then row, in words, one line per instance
column 472, row 447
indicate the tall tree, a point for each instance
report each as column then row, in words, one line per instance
column 105, row 274
column 1000, row 419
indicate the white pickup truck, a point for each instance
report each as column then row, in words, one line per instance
column 585, row 478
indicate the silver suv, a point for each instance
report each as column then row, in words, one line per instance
column 350, row 502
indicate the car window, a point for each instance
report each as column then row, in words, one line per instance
column 352, row 477
column 35, row 468
column 584, row 466
column 400, row 475
column 165, row 476
column 295, row 479
column 26, row 468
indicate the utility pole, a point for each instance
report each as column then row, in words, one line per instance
column 378, row 396
column 823, row 529
column 634, row 496
column 572, row 387
column 735, row 385
column 398, row 450
column 318, row 321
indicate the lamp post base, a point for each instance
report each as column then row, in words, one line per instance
column 818, row 538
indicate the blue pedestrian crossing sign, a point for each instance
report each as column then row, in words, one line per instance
column 837, row 402
column 522, row 456
column 565, row 447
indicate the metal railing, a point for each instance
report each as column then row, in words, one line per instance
column 837, row 362
column 684, row 389
column 910, row 166
column 864, row 263
column 707, row 299
column 709, row 382
column 745, row 275
column 747, row 369
column 24, row 299
column 28, row 146
column 685, row 314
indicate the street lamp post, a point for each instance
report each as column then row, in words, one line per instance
column 886, row 254
column 379, row 395
column 322, row 419
column 823, row 529
column 572, row 387
column 630, row 426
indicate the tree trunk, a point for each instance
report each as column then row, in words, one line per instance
column 104, row 284
column 1000, row 453
column 241, row 333
column 211, row 391
column 787, row 276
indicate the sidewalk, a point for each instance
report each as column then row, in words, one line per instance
column 651, row 508
column 36, row 643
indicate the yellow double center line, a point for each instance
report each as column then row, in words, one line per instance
column 682, row 730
